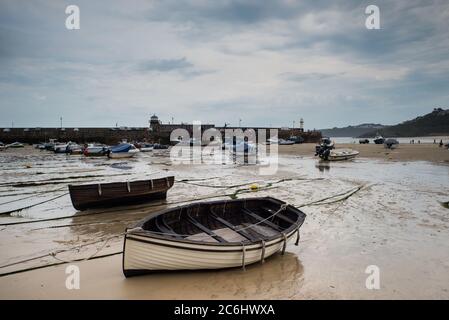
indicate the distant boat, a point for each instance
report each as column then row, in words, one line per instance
column 211, row 235
column 146, row 147
column 296, row 139
column 341, row 154
column 74, row 149
column 363, row 141
column 95, row 150
column 286, row 142
column 158, row 146
column 379, row 139
column 60, row 148
column 123, row 150
column 15, row 145
column 243, row 147
column 119, row 193
column 391, row 143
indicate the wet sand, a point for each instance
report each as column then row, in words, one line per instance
column 405, row 152
column 395, row 221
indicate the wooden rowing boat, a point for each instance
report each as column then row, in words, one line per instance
column 211, row 235
column 118, row 193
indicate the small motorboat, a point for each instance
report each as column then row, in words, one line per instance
column 273, row 140
column 123, row 150
column 95, row 150
column 341, row 154
column 326, row 151
column 378, row 139
column 243, row 147
column 391, row 143
column 119, row 193
column 146, row 147
column 285, row 142
column 74, row 149
column 15, row 145
column 50, row 145
column 60, row 148
column 211, row 235
column 158, row 146
column 296, row 139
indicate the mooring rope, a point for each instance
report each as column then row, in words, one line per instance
column 57, row 263
column 54, row 253
column 34, row 194
column 33, row 205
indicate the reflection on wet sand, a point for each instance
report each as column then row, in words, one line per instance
column 280, row 276
column 323, row 166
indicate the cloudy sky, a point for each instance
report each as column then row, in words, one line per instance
column 265, row 62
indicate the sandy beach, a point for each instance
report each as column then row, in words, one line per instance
column 405, row 152
column 395, row 221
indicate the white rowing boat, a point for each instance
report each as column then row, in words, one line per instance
column 211, row 235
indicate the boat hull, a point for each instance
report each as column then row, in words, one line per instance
column 119, row 193
column 340, row 155
column 142, row 254
column 121, row 155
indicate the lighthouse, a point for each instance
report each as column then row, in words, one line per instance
column 301, row 124
column 154, row 123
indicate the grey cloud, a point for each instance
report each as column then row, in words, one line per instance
column 301, row 77
column 164, row 65
column 38, row 56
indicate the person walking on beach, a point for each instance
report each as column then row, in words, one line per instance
column 441, row 143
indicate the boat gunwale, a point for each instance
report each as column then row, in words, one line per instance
column 82, row 186
column 202, row 246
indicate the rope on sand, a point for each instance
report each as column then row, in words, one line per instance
column 32, row 196
column 346, row 195
column 58, row 263
column 54, row 253
column 33, row 205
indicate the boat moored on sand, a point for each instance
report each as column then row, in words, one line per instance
column 74, row 149
column 391, row 143
column 95, row 150
column 340, row 154
column 378, row 139
column 123, row 150
column 211, row 235
column 119, row 193
column 146, row 147
column 15, row 145
column 326, row 151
